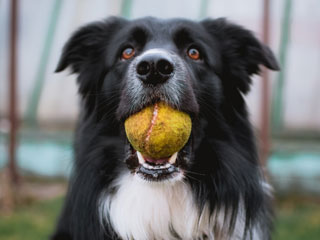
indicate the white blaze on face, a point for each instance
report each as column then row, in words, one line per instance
column 155, row 51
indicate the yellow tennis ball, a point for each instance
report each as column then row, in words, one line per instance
column 158, row 131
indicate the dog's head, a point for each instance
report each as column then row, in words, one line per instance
column 201, row 68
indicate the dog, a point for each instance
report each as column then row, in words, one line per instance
column 215, row 188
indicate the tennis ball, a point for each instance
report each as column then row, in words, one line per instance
column 158, row 131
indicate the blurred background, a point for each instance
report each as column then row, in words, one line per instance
column 38, row 109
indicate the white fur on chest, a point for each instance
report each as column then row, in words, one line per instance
column 141, row 210
column 144, row 211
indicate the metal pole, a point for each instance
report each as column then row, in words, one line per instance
column 33, row 104
column 13, row 92
column 265, row 94
column 277, row 104
column 203, row 9
column 126, row 8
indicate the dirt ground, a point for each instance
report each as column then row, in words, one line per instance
column 28, row 189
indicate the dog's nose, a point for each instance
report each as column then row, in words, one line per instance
column 154, row 69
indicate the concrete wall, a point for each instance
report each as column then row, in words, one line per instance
column 59, row 96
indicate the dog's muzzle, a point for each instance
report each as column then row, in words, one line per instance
column 158, row 75
column 155, row 75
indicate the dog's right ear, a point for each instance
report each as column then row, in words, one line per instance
column 85, row 44
column 85, row 52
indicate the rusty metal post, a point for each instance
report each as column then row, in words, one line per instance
column 265, row 93
column 13, row 91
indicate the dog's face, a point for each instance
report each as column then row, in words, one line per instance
column 201, row 68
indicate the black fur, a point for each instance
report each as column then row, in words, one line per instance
column 224, row 165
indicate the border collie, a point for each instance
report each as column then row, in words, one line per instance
column 211, row 189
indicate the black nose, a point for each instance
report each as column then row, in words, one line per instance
column 154, row 68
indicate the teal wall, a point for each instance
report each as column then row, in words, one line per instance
column 290, row 169
column 295, row 171
column 40, row 156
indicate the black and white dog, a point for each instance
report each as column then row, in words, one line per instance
column 213, row 188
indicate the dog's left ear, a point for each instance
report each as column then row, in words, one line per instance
column 242, row 53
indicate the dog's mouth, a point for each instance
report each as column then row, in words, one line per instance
column 157, row 170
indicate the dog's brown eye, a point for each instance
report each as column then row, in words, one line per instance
column 127, row 53
column 193, row 53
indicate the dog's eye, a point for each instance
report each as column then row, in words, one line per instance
column 127, row 53
column 193, row 53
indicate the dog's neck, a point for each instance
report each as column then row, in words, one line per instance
column 163, row 211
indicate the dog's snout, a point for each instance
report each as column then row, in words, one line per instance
column 155, row 68
column 164, row 67
column 144, row 68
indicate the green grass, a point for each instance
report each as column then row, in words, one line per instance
column 297, row 220
column 32, row 222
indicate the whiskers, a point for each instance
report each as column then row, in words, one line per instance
column 193, row 175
